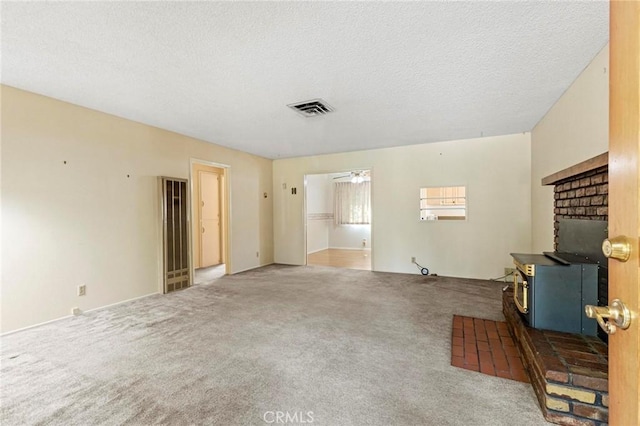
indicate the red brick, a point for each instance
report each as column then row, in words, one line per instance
column 470, row 348
column 507, row 341
column 569, row 345
column 490, row 326
column 503, row 374
column 491, row 334
column 504, row 332
column 595, row 383
column 498, row 353
column 550, row 361
column 471, row 359
column 511, row 351
column 457, row 321
column 557, row 376
column 596, row 366
column 487, row 368
column 600, row 348
column 481, row 336
column 591, row 412
column 457, row 332
column 501, row 365
column 468, row 322
column 515, row 363
column 520, row 375
column 485, row 356
column 457, row 361
column 563, row 419
column 495, row 343
column 483, row 346
column 501, row 325
column 457, row 351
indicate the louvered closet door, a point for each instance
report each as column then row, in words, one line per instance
column 175, row 232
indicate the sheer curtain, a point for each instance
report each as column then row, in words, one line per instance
column 352, row 203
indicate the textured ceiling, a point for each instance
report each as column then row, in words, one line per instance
column 396, row 73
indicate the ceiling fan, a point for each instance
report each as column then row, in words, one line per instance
column 356, row 176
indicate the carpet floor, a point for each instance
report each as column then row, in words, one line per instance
column 312, row 344
column 209, row 274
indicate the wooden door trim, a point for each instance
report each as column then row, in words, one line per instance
column 624, row 218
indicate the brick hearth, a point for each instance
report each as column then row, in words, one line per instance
column 486, row 346
column 568, row 372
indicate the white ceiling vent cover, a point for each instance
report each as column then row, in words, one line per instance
column 312, row 108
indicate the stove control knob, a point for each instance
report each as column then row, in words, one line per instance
column 617, row 248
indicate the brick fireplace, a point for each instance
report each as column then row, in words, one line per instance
column 581, row 191
column 569, row 372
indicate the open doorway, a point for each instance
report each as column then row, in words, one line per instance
column 338, row 219
column 209, row 206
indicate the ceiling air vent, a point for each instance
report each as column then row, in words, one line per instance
column 312, row 108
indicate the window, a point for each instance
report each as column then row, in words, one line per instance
column 352, row 203
column 443, row 203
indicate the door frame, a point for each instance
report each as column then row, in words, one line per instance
column 624, row 218
column 225, row 210
column 304, row 208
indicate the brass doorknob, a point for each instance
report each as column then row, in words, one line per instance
column 617, row 315
column 617, row 248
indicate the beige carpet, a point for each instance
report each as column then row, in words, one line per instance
column 209, row 274
column 350, row 347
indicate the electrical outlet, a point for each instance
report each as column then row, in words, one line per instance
column 509, row 271
column 82, row 290
column 413, row 259
column 364, row 242
column 257, row 254
column 75, row 311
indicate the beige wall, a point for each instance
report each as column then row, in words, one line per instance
column 86, row 221
column 496, row 171
column 575, row 129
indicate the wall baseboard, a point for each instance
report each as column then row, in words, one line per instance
column 315, row 251
column 120, row 303
column 71, row 316
column 35, row 325
column 251, row 268
column 351, row 248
